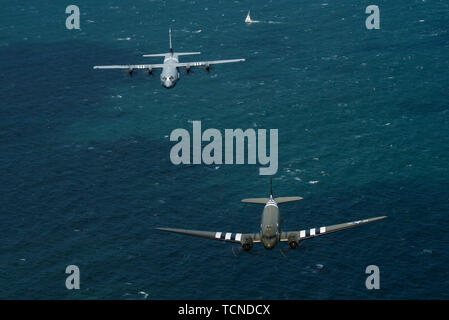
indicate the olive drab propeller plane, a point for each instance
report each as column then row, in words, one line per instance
column 171, row 66
column 270, row 233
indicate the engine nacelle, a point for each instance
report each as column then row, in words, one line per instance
column 247, row 244
column 293, row 242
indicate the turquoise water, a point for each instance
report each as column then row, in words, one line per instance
column 84, row 154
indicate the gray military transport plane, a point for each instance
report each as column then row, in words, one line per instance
column 170, row 67
column 270, row 230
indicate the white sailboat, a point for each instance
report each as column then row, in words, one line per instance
column 248, row 18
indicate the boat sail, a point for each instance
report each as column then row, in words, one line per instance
column 248, row 18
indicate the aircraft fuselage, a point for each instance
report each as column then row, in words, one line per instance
column 170, row 73
column 270, row 230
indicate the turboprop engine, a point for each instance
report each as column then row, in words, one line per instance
column 247, row 244
column 293, row 242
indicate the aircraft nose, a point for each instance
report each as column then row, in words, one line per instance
column 167, row 83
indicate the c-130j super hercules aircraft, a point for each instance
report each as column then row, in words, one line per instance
column 170, row 67
column 270, row 232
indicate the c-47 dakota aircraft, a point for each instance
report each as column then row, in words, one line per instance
column 270, row 231
column 170, row 67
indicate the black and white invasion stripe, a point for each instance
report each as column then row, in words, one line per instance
column 311, row 232
column 228, row 236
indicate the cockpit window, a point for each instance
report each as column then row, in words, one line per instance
column 171, row 78
column 164, row 78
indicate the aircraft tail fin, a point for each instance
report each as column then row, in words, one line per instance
column 169, row 36
column 261, row 200
column 282, row 199
column 162, row 54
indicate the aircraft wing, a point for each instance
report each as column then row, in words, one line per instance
column 131, row 66
column 206, row 63
column 221, row 236
column 315, row 232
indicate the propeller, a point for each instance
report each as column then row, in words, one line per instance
column 188, row 70
column 207, row 67
column 130, row 72
column 282, row 251
column 236, row 251
column 289, row 247
column 150, row 71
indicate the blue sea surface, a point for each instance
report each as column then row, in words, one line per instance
column 86, row 176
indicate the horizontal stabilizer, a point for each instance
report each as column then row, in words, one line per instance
column 265, row 200
column 256, row 200
column 287, row 199
column 155, row 55
column 186, row 53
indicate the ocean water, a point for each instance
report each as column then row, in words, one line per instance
column 85, row 163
